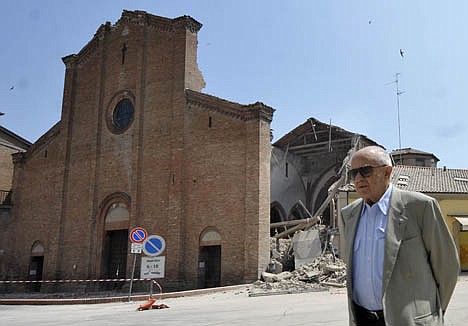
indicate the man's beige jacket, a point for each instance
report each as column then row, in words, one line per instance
column 421, row 263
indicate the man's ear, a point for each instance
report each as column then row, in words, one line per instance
column 388, row 171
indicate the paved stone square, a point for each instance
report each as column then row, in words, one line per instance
column 233, row 307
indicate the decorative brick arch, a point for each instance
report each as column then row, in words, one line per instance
column 209, row 259
column 37, row 248
column 116, row 198
column 108, row 201
column 210, row 237
column 36, row 265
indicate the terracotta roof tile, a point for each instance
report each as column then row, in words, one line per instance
column 430, row 180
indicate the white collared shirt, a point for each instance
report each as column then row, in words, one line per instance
column 368, row 255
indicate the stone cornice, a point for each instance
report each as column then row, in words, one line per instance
column 69, row 60
column 157, row 22
column 189, row 23
column 260, row 111
column 43, row 140
column 136, row 17
column 89, row 49
column 255, row 111
column 14, row 138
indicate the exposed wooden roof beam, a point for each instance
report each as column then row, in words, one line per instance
column 312, row 145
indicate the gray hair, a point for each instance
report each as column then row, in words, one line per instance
column 378, row 155
column 383, row 157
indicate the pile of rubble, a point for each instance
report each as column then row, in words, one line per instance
column 321, row 273
column 325, row 270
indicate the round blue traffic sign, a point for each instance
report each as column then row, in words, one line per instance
column 154, row 245
column 138, row 235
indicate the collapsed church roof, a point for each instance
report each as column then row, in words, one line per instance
column 315, row 137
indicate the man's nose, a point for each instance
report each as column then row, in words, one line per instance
column 359, row 176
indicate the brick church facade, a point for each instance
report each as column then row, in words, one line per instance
column 138, row 144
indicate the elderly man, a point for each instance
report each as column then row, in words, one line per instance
column 402, row 261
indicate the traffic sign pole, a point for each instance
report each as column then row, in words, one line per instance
column 137, row 235
column 131, row 280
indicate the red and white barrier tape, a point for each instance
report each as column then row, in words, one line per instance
column 78, row 281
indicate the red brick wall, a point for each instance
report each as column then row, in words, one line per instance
column 181, row 175
column 37, row 193
column 215, row 184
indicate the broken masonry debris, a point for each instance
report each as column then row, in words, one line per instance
column 308, row 261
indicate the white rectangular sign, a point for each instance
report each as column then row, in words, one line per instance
column 152, row 267
column 136, row 248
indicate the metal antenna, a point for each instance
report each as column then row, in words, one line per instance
column 398, row 93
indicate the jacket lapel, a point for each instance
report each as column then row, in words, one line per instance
column 396, row 225
column 352, row 221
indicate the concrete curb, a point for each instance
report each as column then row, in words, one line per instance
column 159, row 296
column 463, row 277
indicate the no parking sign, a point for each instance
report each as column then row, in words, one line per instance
column 138, row 235
column 154, row 245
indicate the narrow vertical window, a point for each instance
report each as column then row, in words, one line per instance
column 124, row 49
column 286, row 169
column 209, row 122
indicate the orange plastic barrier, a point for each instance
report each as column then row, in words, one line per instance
column 148, row 304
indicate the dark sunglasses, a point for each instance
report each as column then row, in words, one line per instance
column 365, row 171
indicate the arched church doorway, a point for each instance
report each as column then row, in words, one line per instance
column 209, row 259
column 115, row 243
column 36, row 265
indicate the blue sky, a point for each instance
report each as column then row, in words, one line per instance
column 328, row 59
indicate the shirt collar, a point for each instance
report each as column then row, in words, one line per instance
column 384, row 202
